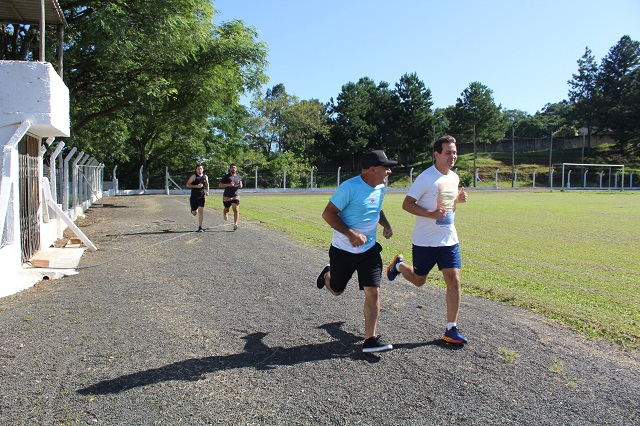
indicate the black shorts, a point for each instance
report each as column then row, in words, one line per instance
column 344, row 264
column 227, row 204
column 196, row 202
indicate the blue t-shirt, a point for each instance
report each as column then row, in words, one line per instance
column 359, row 204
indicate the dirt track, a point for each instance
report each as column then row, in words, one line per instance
column 164, row 325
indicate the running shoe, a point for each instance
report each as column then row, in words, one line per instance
column 320, row 280
column 200, row 229
column 392, row 272
column 453, row 336
column 376, row 344
column 235, row 226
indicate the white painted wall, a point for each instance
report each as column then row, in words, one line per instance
column 33, row 91
column 29, row 92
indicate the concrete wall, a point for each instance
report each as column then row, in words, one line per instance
column 33, row 91
column 35, row 100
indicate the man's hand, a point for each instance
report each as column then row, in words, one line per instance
column 462, row 196
column 387, row 232
column 439, row 213
column 356, row 239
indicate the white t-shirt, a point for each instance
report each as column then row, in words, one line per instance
column 430, row 189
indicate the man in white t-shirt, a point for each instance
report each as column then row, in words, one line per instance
column 432, row 199
column 354, row 212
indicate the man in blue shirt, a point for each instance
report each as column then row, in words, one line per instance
column 354, row 212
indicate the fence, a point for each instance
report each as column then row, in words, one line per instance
column 71, row 188
column 485, row 178
column 561, row 176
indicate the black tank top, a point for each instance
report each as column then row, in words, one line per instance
column 199, row 192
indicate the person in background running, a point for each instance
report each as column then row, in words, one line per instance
column 231, row 182
column 199, row 185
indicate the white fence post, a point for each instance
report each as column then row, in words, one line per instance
column 601, row 175
column 52, row 172
column 114, row 182
column 311, row 182
column 75, row 177
column 65, row 179
column 141, row 180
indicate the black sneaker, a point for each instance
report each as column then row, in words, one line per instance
column 376, row 344
column 200, row 229
column 320, row 280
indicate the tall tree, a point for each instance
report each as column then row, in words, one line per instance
column 619, row 80
column 414, row 120
column 476, row 108
column 355, row 119
column 583, row 93
column 159, row 69
column 268, row 127
column 18, row 42
column 306, row 127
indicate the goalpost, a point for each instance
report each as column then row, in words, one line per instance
column 592, row 176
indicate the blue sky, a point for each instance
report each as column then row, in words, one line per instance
column 525, row 51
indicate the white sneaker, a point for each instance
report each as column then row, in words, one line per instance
column 235, row 226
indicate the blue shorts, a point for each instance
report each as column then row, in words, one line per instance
column 425, row 258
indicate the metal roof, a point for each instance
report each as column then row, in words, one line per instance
column 28, row 12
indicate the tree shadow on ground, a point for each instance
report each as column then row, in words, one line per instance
column 255, row 355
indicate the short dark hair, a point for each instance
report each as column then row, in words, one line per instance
column 199, row 165
column 232, row 164
column 437, row 145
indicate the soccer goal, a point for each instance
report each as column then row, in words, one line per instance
column 593, row 176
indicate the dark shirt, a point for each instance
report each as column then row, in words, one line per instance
column 199, row 192
column 231, row 191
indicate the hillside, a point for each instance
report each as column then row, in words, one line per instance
column 528, row 162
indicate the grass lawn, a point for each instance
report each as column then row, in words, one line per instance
column 573, row 256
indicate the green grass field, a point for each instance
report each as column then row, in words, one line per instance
column 572, row 256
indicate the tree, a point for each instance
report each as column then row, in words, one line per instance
column 476, row 108
column 18, row 42
column 269, row 128
column 618, row 80
column 356, row 119
column 513, row 117
column 583, row 93
column 159, row 69
column 306, row 127
column 556, row 118
column 413, row 118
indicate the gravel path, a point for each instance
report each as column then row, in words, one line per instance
column 166, row 326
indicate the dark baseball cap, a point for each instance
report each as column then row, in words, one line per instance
column 376, row 158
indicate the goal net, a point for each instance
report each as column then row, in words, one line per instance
column 594, row 176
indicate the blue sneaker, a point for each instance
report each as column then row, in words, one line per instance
column 392, row 272
column 453, row 336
